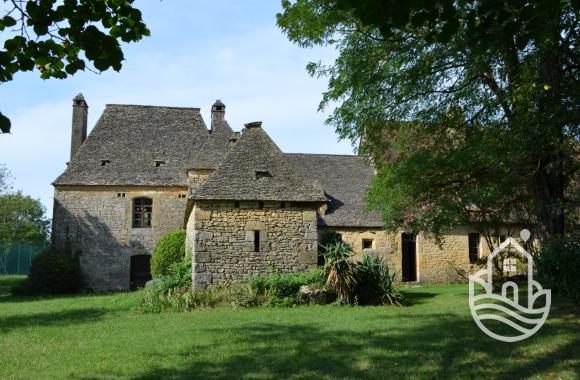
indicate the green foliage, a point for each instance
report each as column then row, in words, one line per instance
column 282, row 289
column 169, row 250
column 248, row 295
column 468, row 109
column 375, row 283
column 340, row 270
column 559, row 265
column 61, row 38
column 5, row 179
column 22, row 218
column 51, row 273
column 155, row 299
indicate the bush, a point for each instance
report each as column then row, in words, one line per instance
column 50, row 273
column 156, row 298
column 281, row 289
column 340, row 270
column 376, row 284
column 169, row 250
column 559, row 264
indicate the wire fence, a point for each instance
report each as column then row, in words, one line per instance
column 16, row 256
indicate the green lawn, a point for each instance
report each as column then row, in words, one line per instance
column 101, row 337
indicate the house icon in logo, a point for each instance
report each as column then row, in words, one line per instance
column 499, row 316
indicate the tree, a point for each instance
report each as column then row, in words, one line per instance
column 468, row 109
column 59, row 38
column 21, row 217
column 5, row 179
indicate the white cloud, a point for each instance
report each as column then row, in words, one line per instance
column 252, row 67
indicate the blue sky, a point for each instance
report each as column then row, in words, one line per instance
column 198, row 51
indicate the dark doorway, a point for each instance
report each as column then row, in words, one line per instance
column 140, row 271
column 409, row 257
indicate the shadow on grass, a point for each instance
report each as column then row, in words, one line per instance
column 51, row 319
column 419, row 346
column 416, row 298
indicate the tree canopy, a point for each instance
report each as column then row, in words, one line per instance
column 468, row 109
column 59, row 38
column 22, row 218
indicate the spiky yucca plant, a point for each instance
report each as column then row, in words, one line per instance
column 340, row 270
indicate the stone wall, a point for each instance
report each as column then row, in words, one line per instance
column 96, row 223
column 435, row 264
column 220, row 235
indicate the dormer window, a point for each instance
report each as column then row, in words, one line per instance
column 105, row 162
column 261, row 174
column 158, row 163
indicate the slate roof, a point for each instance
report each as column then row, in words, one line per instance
column 256, row 169
column 131, row 138
column 345, row 180
column 217, row 146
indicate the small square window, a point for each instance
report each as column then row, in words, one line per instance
column 367, row 243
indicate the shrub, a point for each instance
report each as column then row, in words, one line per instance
column 559, row 264
column 179, row 274
column 281, row 289
column 340, row 270
column 50, row 273
column 248, row 295
column 169, row 250
column 157, row 298
column 375, row 283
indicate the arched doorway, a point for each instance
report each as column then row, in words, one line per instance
column 140, row 271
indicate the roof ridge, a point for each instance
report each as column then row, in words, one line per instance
column 151, row 106
column 256, row 168
column 325, row 154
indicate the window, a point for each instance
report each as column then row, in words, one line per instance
column 367, row 243
column 237, row 204
column 260, row 205
column 142, row 212
column 260, row 174
column 256, row 241
column 473, row 247
column 158, row 163
column 105, row 162
column 121, row 195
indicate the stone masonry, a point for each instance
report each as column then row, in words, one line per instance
column 95, row 223
column 221, row 239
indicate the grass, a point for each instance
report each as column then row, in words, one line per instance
column 101, row 337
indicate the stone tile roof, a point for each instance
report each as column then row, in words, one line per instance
column 129, row 141
column 256, row 169
column 345, row 180
column 217, row 146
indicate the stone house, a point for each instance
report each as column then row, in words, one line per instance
column 246, row 206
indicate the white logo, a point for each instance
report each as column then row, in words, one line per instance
column 525, row 320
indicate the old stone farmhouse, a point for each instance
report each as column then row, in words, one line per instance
column 145, row 170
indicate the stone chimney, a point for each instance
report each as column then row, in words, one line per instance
column 218, row 112
column 79, row 124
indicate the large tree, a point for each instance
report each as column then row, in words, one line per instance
column 469, row 109
column 22, row 218
column 59, row 38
